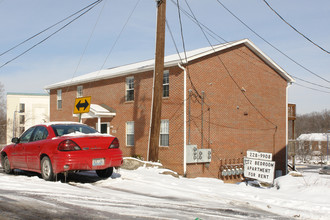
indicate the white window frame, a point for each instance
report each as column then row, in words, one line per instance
column 80, row 91
column 130, row 131
column 164, row 131
column 166, row 72
column 129, row 87
column 59, row 99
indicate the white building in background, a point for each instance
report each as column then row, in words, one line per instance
column 25, row 110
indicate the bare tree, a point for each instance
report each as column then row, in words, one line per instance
column 3, row 117
column 316, row 122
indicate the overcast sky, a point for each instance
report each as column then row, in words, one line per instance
column 84, row 45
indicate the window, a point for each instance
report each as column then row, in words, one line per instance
column 166, row 84
column 21, row 107
column 40, row 133
column 21, row 119
column 63, row 129
column 164, row 133
column 130, row 88
column 59, row 99
column 130, row 133
column 25, row 138
column 79, row 91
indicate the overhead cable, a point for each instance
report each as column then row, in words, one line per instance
column 30, row 38
column 90, row 37
column 216, row 37
column 185, row 53
column 228, row 72
column 315, row 44
column 311, row 88
column 271, row 44
column 64, row 26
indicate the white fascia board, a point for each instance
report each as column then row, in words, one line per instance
column 171, row 60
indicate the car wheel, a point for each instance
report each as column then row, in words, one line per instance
column 106, row 173
column 6, row 166
column 47, row 169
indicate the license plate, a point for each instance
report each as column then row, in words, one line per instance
column 98, row 162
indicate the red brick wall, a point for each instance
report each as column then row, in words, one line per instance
column 232, row 122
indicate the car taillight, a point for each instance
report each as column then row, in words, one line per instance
column 68, row 145
column 114, row 144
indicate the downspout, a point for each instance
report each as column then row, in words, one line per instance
column 184, row 119
column 287, row 128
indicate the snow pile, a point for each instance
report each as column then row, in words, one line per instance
column 147, row 193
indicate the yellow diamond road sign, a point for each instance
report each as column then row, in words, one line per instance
column 82, row 105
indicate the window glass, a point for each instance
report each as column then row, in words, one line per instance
column 40, row 133
column 130, row 133
column 166, row 84
column 79, row 91
column 130, row 88
column 21, row 107
column 164, row 133
column 59, row 99
column 63, row 129
column 26, row 136
column 21, row 119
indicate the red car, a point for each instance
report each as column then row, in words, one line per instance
column 61, row 147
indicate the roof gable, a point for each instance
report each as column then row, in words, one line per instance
column 170, row 60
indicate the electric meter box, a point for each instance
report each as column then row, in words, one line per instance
column 195, row 155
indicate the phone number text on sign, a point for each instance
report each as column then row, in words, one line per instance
column 259, row 155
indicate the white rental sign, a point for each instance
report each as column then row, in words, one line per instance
column 258, row 165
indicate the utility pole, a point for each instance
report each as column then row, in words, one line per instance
column 158, row 82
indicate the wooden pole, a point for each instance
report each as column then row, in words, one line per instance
column 158, row 82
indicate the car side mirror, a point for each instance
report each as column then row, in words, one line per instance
column 15, row 140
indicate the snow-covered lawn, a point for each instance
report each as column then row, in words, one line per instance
column 146, row 193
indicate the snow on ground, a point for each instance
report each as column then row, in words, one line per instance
column 145, row 193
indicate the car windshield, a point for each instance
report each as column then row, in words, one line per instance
column 63, row 129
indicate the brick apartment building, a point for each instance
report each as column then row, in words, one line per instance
column 235, row 100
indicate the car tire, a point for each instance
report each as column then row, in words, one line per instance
column 106, row 173
column 6, row 166
column 47, row 169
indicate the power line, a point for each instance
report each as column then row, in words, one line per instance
column 227, row 70
column 216, row 37
column 90, row 37
column 271, row 44
column 117, row 38
column 311, row 88
column 295, row 28
column 30, row 38
column 185, row 53
column 64, row 26
column 295, row 77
